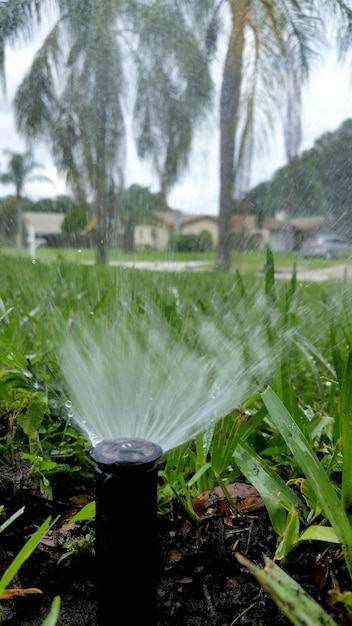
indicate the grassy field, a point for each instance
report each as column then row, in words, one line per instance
column 249, row 261
column 270, row 359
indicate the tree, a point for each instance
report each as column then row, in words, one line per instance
column 19, row 171
column 8, row 222
column 253, row 72
column 96, row 48
column 323, row 187
column 255, row 75
column 76, row 220
column 292, row 134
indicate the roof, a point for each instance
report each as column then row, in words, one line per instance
column 310, row 223
column 303, row 224
column 168, row 217
column 44, row 223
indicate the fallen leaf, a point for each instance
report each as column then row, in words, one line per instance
column 245, row 498
column 8, row 594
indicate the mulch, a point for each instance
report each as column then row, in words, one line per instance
column 200, row 582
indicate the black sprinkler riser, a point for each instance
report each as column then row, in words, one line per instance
column 126, row 530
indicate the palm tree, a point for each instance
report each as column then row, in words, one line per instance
column 97, row 48
column 262, row 35
column 19, row 171
column 292, row 137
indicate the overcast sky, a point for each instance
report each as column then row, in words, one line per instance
column 327, row 102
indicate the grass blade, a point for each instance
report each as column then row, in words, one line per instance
column 300, row 608
column 51, row 619
column 24, row 554
column 277, row 496
column 312, row 469
column 346, row 435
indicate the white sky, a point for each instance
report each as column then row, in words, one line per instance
column 327, row 102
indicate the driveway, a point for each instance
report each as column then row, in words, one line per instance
column 164, row 266
column 338, row 273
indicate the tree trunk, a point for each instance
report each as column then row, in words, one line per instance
column 102, row 235
column 128, row 237
column 229, row 106
column 19, row 224
column 290, row 203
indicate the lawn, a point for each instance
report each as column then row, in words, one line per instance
column 246, row 261
column 239, row 377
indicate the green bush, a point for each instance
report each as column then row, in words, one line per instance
column 75, row 221
column 191, row 243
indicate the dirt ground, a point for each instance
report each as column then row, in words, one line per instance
column 200, row 582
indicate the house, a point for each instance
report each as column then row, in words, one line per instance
column 155, row 232
column 245, row 227
column 275, row 230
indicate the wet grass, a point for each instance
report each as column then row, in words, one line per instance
column 304, row 387
column 242, row 261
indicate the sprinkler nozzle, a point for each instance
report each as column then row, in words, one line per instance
column 126, row 529
column 116, row 453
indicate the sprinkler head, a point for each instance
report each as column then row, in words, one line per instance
column 126, row 542
column 111, row 455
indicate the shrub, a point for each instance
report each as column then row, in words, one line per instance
column 75, row 221
column 191, row 243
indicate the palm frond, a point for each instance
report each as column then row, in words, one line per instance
column 17, row 17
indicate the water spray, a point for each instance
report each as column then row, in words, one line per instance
column 126, row 533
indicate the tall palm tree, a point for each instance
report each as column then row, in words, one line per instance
column 98, row 57
column 20, row 168
column 292, row 139
column 255, row 77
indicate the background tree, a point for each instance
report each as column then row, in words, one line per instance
column 292, row 133
column 20, row 168
column 59, row 204
column 8, row 221
column 76, row 220
column 96, row 48
column 252, row 76
column 324, row 185
column 256, row 75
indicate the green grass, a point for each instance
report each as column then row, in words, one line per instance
column 301, row 388
column 248, row 261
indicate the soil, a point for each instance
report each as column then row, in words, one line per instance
column 200, row 581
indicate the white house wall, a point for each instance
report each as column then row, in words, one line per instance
column 196, row 227
column 153, row 237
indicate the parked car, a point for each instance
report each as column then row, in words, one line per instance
column 326, row 246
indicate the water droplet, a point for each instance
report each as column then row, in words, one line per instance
column 33, row 261
column 91, row 312
column 79, row 250
column 36, row 385
column 126, row 444
column 70, row 413
column 10, row 356
column 68, row 404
